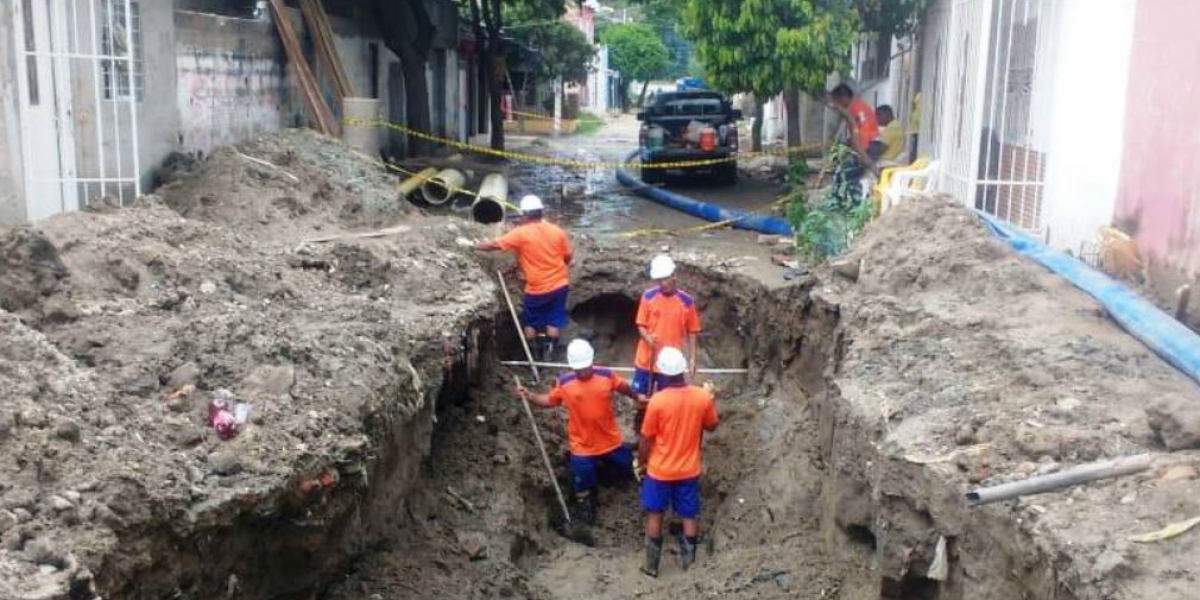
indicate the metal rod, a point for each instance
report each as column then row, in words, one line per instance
column 1063, row 479
column 552, row 365
column 97, row 82
column 512, row 310
column 114, row 90
column 133, row 97
column 537, row 435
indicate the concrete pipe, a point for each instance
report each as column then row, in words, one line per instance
column 411, row 184
column 489, row 205
column 442, row 187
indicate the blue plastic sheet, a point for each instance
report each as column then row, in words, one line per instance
column 1167, row 337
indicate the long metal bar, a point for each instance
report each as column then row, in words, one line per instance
column 53, row 23
column 537, row 435
column 133, row 98
column 97, row 82
column 84, row 179
column 992, row 99
column 1012, row 16
column 512, row 310
column 114, row 90
column 23, row 104
column 1063, row 479
column 73, row 55
column 553, row 365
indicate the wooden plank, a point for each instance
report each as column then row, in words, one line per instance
column 313, row 100
column 318, row 24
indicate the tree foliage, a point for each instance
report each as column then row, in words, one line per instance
column 565, row 51
column 891, row 17
column 636, row 51
column 768, row 46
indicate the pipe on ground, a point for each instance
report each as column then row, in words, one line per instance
column 441, row 188
column 488, row 206
column 411, row 184
column 703, row 210
column 1168, row 338
column 1063, row 479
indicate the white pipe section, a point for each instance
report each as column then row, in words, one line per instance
column 488, row 206
column 442, row 187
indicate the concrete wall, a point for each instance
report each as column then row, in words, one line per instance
column 232, row 81
column 1159, row 194
column 1090, row 75
column 12, row 198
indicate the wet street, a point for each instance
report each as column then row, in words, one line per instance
column 593, row 201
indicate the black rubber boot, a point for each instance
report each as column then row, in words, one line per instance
column 653, row 555
column 586, row 508
column 687, row 551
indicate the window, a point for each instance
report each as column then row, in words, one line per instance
column 114, row 42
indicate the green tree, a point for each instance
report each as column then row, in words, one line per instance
column 767, row 47
column 565, row 51
column 638, row 53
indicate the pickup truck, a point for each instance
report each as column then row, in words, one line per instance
column 689, row 126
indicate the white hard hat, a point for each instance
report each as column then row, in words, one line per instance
column 531, row 204
column 580, row 354
column 671, row 362
column 662, row 267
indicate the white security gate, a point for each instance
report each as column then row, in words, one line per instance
column 79, row 82
column 986, row 74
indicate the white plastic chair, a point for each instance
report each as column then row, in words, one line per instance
column 907, row 184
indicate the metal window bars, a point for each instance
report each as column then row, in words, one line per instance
column 76, row 152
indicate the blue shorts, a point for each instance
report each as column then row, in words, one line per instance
column 641, row 382
column 540, row 311
column 583, row 468
column 683, row 496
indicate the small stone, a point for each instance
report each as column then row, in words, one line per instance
column 500, row 459
column 1179, row 473
column 767, row 239
column 225, row 462
column 60, row 504
column 73, row 496
column 208, row 288
column 271, row 380
column 68, row 430
column 481, row 418
column 850, row 269
column 1069, row 404
column 965, row 436
column 473, row 544
column 1025, row 469
column 1176, row 422
column 1129, row 498
column 183, row 375
column 8, row 520
column 57, row 310
column 23, row 516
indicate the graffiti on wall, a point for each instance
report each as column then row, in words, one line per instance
column 225, row 97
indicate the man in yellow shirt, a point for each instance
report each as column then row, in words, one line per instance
column 891, row 134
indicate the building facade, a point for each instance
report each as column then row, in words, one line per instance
column 96, row 95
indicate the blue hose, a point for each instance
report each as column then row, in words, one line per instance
column 1167, row 337
column 704, row 210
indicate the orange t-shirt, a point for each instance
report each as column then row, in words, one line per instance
column 670, row 318
column 864, row 120
column 676, row 418
column 591, row 423
column 542, row 249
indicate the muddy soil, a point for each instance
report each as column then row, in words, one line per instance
column 386, row 457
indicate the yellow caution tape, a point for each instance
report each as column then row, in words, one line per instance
column 577, row 164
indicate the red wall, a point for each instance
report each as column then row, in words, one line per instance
column 1159, row 196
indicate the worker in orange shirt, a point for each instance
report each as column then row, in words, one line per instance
column 666, row 316
column 676, row 419
column 544, row 255
column 592, row 431
column 863, row 128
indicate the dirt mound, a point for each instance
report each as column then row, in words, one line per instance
column 130, row 320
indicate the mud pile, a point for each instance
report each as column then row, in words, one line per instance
column 386, row 457
column 117, row 328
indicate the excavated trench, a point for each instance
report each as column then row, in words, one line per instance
column 452, row 500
